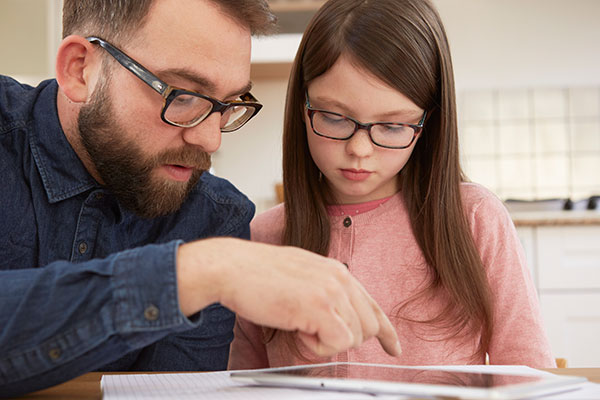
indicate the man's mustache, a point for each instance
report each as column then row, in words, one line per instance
column 189, row 157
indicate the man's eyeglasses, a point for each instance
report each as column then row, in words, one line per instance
column 391, row 135
column 186, row 108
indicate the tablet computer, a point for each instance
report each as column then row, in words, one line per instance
column 413, row 381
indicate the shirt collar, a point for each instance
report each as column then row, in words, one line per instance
column 62, row 172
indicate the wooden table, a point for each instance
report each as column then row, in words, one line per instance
column 87, row 386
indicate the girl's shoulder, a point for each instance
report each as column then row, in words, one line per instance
column 267, row 227
column 485, row 212
column 477, row 198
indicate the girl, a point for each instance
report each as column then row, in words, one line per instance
column 372, row 178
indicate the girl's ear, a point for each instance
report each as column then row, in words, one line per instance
column 77, row 67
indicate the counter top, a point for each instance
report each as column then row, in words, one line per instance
column 555, row 218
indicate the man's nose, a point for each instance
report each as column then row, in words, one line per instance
column 206, row 135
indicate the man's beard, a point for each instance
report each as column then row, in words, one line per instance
column 123, row 167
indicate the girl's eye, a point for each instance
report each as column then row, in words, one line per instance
column 332, row 118
column 393, row 128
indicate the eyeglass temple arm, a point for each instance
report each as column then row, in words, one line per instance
column 422, row 121
column 133, row 66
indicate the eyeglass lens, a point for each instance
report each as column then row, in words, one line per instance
column 338, row 127
column 186, row 110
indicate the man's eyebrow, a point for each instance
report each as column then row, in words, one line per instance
column 202, row 84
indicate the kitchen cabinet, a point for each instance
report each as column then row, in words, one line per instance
column 568, row 257
column 572, row 322
column 280, row 6
column 565, row 262
column 272, row 56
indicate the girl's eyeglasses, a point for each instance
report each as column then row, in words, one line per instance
column 391, row 135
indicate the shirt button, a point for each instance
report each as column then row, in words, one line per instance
column 347, row 222
column 82, row 247
column 151, row 313
column 54, row 354
column 99, row 196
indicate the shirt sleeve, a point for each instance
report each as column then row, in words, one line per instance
column 64, row 319
column 518, row 335
column 248, row 349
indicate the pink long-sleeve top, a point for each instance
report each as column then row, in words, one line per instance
column 381, row 251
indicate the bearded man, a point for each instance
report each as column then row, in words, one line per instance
column 118, row 249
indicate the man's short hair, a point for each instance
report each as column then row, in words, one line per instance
column 115, row 20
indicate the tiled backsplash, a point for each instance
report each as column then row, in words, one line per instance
column 532, row 143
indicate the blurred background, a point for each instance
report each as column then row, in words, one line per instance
column 527, row 76
column 528, row 90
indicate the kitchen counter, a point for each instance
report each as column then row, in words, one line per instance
column 555, row 218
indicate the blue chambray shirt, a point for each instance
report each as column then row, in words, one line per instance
column 85, row 284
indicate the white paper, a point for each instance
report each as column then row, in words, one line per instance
column 218, row 386
column 205, row 385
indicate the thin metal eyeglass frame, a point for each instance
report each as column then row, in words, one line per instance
column 169, row 93
column 417, row 128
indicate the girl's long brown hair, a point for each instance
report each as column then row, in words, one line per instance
column 403, row 43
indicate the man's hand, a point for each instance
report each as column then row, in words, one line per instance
column 283, row 287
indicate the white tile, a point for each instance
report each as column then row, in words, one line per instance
column 482, row 171
column 585, row 136
column 515, row 138
column 549, row 103
column 514, row 104
column 552, row 172
column 586, row 170
column 478, row 138
column 515, row 172
column 556, row 192
column 584, row 102
column 478, row 106
column 551, row 137
column 521, row 193
column 584, row 192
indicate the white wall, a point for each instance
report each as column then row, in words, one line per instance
column 508, row 43
column 30, row 32
column 251, row 157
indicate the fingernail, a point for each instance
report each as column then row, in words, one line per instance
column 398, row 348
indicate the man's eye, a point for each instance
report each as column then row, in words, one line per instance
column 184, row 100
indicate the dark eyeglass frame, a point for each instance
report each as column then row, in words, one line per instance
column 417, row 128
column 169, row 93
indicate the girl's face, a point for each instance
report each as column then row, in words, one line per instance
column 356, row 169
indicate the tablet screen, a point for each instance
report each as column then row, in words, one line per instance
column 420, row 381
column 408, row 375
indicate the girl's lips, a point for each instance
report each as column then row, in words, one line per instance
column 356, row 174
column 178, row 172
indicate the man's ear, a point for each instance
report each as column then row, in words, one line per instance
column 77, row 68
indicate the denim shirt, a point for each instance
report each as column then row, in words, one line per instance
column 84, row 283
